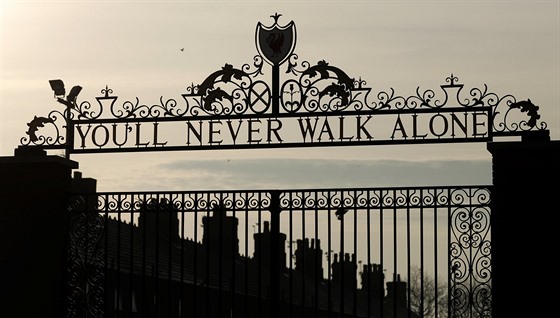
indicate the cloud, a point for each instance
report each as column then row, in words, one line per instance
column 269, row 173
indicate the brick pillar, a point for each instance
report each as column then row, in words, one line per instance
column 33, row 228
column 524, row 204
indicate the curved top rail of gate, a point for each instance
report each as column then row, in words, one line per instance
column 309, row 105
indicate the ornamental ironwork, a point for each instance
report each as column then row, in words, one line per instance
column 309, row 105
column 85, row 261
column 124, row 243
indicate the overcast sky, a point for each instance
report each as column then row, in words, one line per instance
column 134, row 47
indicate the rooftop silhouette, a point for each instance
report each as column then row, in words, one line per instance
column 150, row 259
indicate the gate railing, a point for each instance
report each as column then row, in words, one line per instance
column 365, row 252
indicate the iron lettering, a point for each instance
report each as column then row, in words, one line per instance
column 100, row 136
column 441, row 125
column 292, row 131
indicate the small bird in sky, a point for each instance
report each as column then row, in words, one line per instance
column 182, row 49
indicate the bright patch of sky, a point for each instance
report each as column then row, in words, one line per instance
column 134, row 47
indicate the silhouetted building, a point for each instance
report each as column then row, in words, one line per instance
column 159, row 218
column 372, row 279
column 396, row 291
column 220, row 233
column 344, row 272
column 151, row 270
column 262, row 247
column 309, row 258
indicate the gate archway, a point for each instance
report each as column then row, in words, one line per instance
column 118, row 269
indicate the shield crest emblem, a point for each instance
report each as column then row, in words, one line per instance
column 275, row 43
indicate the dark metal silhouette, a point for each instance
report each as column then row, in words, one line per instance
column 276, row 43
column 112, row 260
column 34, row 125
column 59, row 92
column 319, row 99
column 529, row 108
column 150, row 266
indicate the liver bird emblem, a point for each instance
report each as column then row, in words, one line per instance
column 275, row 41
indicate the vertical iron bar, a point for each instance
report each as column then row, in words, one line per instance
column 144, row 232
column 246, row 259
column 316, row 260
column 355, row 288
column 69, row 132
column 275, row 210
column 395, row 253
column 156, row 272
column 233, row 258
column 435, row 255
column 196, row 204
column 207, row 233
column 182, row 280
column 381, row 249
column 449, row 265
column 291, row 238
column 303, row 259
column 329, row 260
column 408, row 257
column 131, row 264
column 222, row 218
column 118, row 283
column 259, row 264
column 169, row 210
column 422, row 251
column 471, row 256
column 341, row 264
column 275, row 89
column 368, row 263
column 106, row 221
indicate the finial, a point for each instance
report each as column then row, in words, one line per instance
column 106, row 91
column 451, row 79
column 276, row 16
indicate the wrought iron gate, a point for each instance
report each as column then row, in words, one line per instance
column 389, row 252
column 377, row 252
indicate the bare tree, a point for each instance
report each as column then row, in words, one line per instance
column 428, row 297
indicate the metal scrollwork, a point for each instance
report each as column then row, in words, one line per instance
column 230, row 91
column 303, row 89
column 185, row 201
column 320, row 88
column 86, row 261
column 513, row 120
column 470, row 255
column 129, row 109
column 467, row 214
column 56, row 137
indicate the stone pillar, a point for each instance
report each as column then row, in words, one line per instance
column 33, row 229
column 524, row 204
